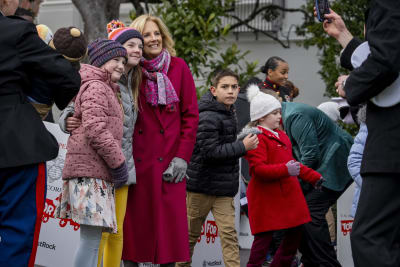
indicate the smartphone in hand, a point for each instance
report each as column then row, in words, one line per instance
column 322, row 8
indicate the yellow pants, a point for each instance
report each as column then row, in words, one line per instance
column 110, row 249
column 223, row 210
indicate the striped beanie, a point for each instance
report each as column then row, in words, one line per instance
column 118, row 32
column 101, row 50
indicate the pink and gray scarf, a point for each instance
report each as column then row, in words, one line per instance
column 159, row 89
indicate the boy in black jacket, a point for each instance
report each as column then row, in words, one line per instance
column 213, row 172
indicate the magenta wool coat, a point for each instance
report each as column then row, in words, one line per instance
column 95, row 146
column 155, row 226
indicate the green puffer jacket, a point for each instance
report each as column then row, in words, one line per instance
column 318, row 143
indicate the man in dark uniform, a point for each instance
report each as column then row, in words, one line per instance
column 25, row 144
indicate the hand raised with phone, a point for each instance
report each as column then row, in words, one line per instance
column 333, row 25
column 322, row 8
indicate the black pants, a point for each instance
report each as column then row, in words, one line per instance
column 375, row 238
column 316, row 247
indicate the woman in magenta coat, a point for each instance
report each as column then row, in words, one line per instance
column 155, row 227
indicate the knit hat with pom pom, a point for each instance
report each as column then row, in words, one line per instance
column 261, row 104
column 118, row 32
column 70, row 42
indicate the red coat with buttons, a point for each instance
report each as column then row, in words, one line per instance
column 155, row 227
column 275, row 198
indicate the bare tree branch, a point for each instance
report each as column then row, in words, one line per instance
column 146, row 3
column 96, row 14
column 266, row 33
column 256, row 11
column 138, row 7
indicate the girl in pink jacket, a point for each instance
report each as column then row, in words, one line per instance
column 95, row 164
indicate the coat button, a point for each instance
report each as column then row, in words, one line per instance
column 160, row 159
column 140, row 131
column 138, row 160
column 162, row 131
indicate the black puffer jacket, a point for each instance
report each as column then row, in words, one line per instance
column 214, row 166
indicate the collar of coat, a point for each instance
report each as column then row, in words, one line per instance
column 270, row 135
column 268, row 84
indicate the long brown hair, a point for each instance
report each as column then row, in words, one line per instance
column 136, row 80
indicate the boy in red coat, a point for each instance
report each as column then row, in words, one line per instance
column 274, row 195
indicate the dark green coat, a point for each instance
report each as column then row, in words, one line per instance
column 318, row 143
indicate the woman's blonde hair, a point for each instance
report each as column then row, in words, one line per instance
column 168, row 43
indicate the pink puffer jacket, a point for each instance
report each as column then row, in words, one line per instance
column 95, row 146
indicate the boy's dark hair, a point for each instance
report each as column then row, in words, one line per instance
column 271, row 63
column 219, row 74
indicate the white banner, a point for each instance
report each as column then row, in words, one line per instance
column 344, row 225
column 245, row 236
column 59, row 239
column 207, row 251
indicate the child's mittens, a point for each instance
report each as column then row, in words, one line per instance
column 318, row 184
column 293, row 167
column 120, row 175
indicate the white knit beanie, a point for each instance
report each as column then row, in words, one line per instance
column 331, row 109
column 261, row 104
